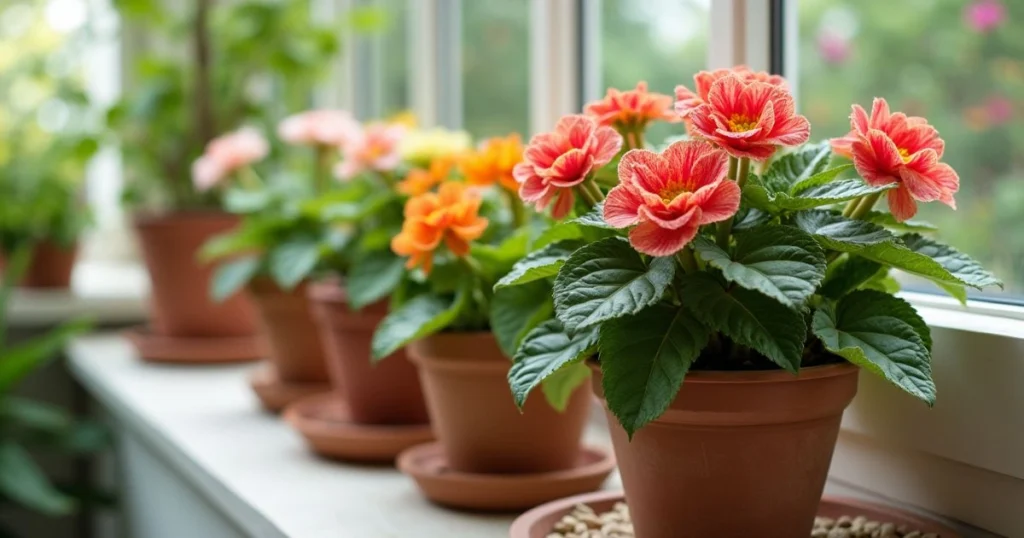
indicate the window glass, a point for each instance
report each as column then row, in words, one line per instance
column 495, row 67
column 960, row 65
column 663, row 42
column 394, row 58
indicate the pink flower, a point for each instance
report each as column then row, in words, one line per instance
column 226, row 154
column 833, row 48
column 556, row 162
column 891, row 148
column 687, row 100
column 749, row 118
column 999, row 109
column 631, row 108
column 667, row 197
column 984, row 15
column 374, row 147
column 318, row 128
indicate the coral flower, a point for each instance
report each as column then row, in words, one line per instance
column 226, row 154
column 667, row 197
column 749, row 119
column 450, row 215
column 493, row 162
column 687, row 100
column 631, row 108
column 318, row 128
column 556, row 162
column 374, row 147
column 420, row 181
column 891, row 148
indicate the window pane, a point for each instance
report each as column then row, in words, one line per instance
column 960, row 65
column 394, row 63
column 663, row 42
column 495, row 66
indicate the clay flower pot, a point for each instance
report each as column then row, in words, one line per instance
column 736, row 453
column 474, row 416
column 180, row 304
column 287, row 321
column 49, row 267
column 387, row 392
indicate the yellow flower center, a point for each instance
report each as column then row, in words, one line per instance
column 739, row 123
column 905, row 155
column 671, row 191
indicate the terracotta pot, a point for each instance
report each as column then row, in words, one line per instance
column 180, row 302
column 50, row 266
column 387, row 392
column 287, row 320
column 465, row 376
column 736, row 453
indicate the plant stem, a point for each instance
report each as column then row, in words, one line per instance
column 17, row 263
column 687, row 260
column 595, row 191
column 249, row 178
column 517, row 208
column 584, row 191
column 851, row 205
column 865, row 205
column 739, row 172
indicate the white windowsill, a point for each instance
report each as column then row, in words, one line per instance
column 107, row 293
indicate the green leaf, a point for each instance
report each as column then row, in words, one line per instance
column 890, row 222
column 560, row 386
column 18, row 361
column 881, row 333
column 515, row 311
column 593, row 218
column 748, row 318
column 243, row 239
column 968, row 271
column 847, row 274
column 421, row 316
column 797, row 166
column 373, row 277
column 539, row 264
column 497, row 260
column 759, row 196
column 644, row 358
column 606, row 280
column 751, row 218
column 293, row 261
column 246, row 201
column 779, row 261
column 232, row 276
column 22, row 481
column 547, row 349
column 911, row 253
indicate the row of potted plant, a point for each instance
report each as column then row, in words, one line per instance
column 718, row 292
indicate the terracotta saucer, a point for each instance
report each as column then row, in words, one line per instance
column 325, row 423
column 200, row 350
column 276, row 394
column 537, row 523
column 501, row 492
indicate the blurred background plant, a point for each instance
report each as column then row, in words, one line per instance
column 47, row 130
column 202, row 68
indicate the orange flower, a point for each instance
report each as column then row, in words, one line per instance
column 631, row 108
column 420, row 181
column 493, row 162
column 451, row 214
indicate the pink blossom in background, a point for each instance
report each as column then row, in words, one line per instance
column 318, row 128
column 999, row 110
column 833, row 48
column 374, row 147
column 984, row 15
column 226, row 154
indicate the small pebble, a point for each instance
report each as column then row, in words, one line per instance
column 584, row 522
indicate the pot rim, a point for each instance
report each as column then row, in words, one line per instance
column 328, row 291
column 741, row 377
column 482, row 363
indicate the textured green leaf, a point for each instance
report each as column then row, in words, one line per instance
column 606, row 280
column 847, row 274
column 796, row 166
column 293, row 261
column 22, row 481
column 761, row 197
column 593, row 218
column 836, row 232
column 547, row 349
column 539, row 264
column 781, row 262
column 516, row 310
column 644, row 358
column 881, row 333
column 373, row 277
column 747, row 318
column 420, row 317
column 232, row 276
column 750, row 218
column 890, row 222
column 963, row 267
column 560, row 386
column 559, row 231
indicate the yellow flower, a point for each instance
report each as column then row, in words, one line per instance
column 420, row 147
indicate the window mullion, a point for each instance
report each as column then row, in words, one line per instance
column 555, row 60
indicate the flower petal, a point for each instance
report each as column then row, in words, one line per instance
column 622, row 206
column 876, row 158
column 564, row 201
column 718, row 202
column 653, row 240
column 901, row 204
